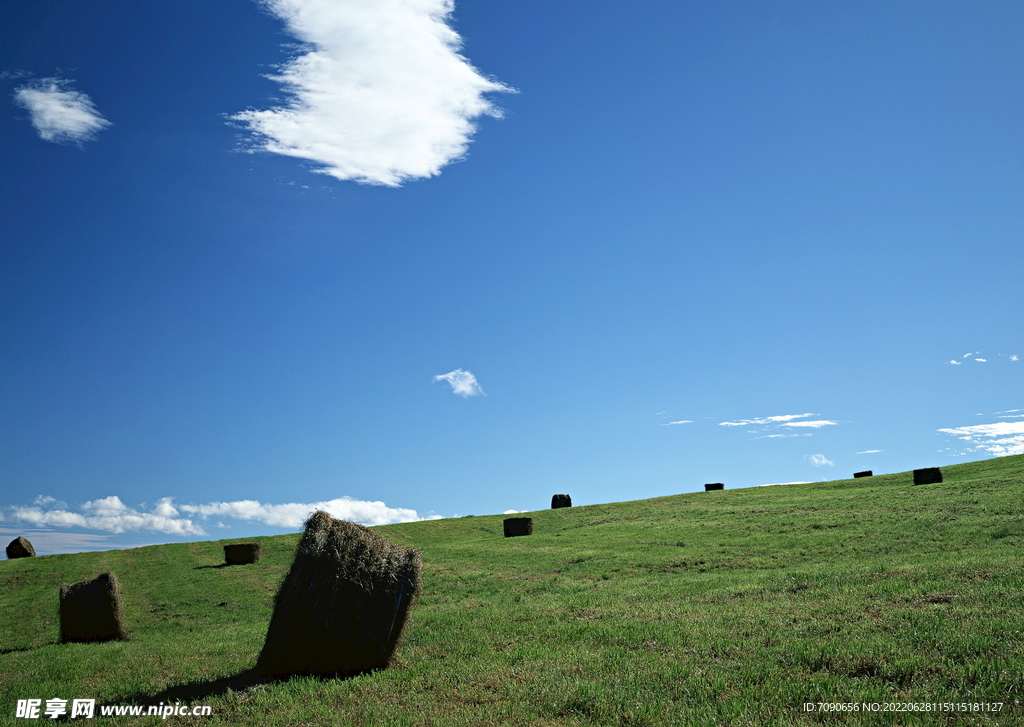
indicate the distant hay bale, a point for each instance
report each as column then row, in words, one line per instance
column 560, row 501
column 20, row 548
column 714, row 486
column 242, row 553
column 865, row 473
column 341, row 609
column 92, row 611
column 515, row 526
column 927, row 476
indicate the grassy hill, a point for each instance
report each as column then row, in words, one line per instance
column 728, row 608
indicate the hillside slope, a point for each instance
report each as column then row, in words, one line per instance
column 733, row 607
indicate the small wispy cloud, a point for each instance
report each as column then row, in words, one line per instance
column 871, row 451
column 764, row 420
column 681, row 421
column 110, row 514
column 462, row 382
column 816, row 424
column 379, row 93
column 999, row 438
column 59, row 113
column 819, row 460
column 512, row 512
column 978, row 358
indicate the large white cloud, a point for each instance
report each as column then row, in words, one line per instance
column 111, row 515
column 1000, row 438
column 379, row 93
column 58, row 113
column 108, row 514
column 293, row 514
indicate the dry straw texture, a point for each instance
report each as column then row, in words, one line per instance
column 92, row 611
column 518, row 526
column 341, row 609
column 242, row 553
column 20, row 548
column 560, row 501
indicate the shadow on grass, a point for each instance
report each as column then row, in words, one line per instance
column 200, row 691
column 26, row 648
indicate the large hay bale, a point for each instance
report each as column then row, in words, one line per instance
column 20, row 548
column 91, row 610
column 242, row 553
column 342, row 607
column 714, row 486
column 927, row 476
column 515, row 526
column 560, row 501
column 865, row 473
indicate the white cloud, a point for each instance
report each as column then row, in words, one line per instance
column 111, row 515
column 983, row 360
column 955, row 362
column 871, row 451
column 1014, row 357
column 773, row 484
column 512, row 512
column 59, row 114
column 820, row 460
column 681, row 421
column 293, row 514
column 379, row 92
column 999, row 439
column 765, row 420
column 108, row 514
column 817, row 424
column 462, row 382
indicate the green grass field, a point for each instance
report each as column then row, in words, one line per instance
column 720, row 608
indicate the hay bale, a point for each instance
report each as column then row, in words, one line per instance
column 242, row 553
column 927, row 476
column 714, row 486
column 20, row 548
column 865, row 473
column 515, row 526
column 91, row 610
column 560, row 501
column 343, row 605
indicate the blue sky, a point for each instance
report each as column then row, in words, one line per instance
column 402, row 263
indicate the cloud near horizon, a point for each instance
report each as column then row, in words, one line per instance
column 379, row 93
column 999, row 439
column 111, row 515
column 58, row 113
column 462, row 382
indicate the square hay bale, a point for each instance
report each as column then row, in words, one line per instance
column 242, row 553
column 927, row 476
column 92, row 611
column 714, row 486
column 560, row 501
column 865, row 473
column 341, row 609
column 20, row 548
column 518, row 526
